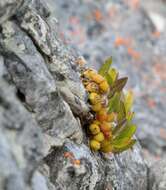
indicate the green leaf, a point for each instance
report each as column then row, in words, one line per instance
column 124, row 135
column 119, row 149
column 119, row 127
column 114, row 103
column 105, row 67
column 130, row 116
column 109, row 79
column 121, row 111
column 118, row 86
column 128, row 101
column 113, row 73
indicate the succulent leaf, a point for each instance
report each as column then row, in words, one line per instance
column 118, row 86
column 129, row 101
column 105, row 67
column 127, row 146
column 124, row 135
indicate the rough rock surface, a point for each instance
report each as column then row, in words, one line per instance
column 20, row 142
column 157, row 177
column 44, row 122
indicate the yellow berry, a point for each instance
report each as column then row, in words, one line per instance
column 103, row 111
column 97, row 78
column 96, row 122
column 107, row 149
column 105, row 143
column 92, row 87
column 94, row 129
column 94, row 145
column 96, row 107
column 94, row 98
column 104, row 86
column 99, row 137
column 89, row 73
column 111, row 117
column 104, row 126
column 108, row 135
column 102, row 115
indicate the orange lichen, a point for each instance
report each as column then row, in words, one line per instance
column 76, row 162
column 134, row 54
column 97, row 15
column 121, row 41
column 156, row 34
column 68, row 155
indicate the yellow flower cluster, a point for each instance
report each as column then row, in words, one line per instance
column 101, row 128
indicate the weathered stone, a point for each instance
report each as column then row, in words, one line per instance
column 8, row 8
column 61, row 62
column 20, row 142
column 157, row 175
column 126, row 171
column 34, row 82
column 47, row 81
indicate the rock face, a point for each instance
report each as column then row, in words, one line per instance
column 157, row 177
column 42, row 107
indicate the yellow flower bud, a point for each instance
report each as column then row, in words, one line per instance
column 111, row 117
column 96, row 122
column 107, row 149
column 92, row 87
column 99, row 137
column 104, row 86
column 97, row 78
column 105, row 143
column 104, row 127
column 96, row 107
column 89, row 73
column 108, row 135
column 94, row 129
column 94, row 98
column 102, row 115
column 94, row 145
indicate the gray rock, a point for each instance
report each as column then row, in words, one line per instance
column 47, row 82
column 157, row 175
column 61, row 62
column 35, row 84
column 96, row 171
column 20, row 142
column 8, row 8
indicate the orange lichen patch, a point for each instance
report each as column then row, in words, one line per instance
column 160, row 70
column 163, row 133
column 134, row 4
column 162, row 89
column 156, row 34
column 68, row 155
column 134, row 54
column 97, row 15
column 119, row 41
column 73, row 20
column 112, row 11
column 76, row 162
column 151, row 103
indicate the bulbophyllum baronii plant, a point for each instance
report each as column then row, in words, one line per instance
column 112, row 129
